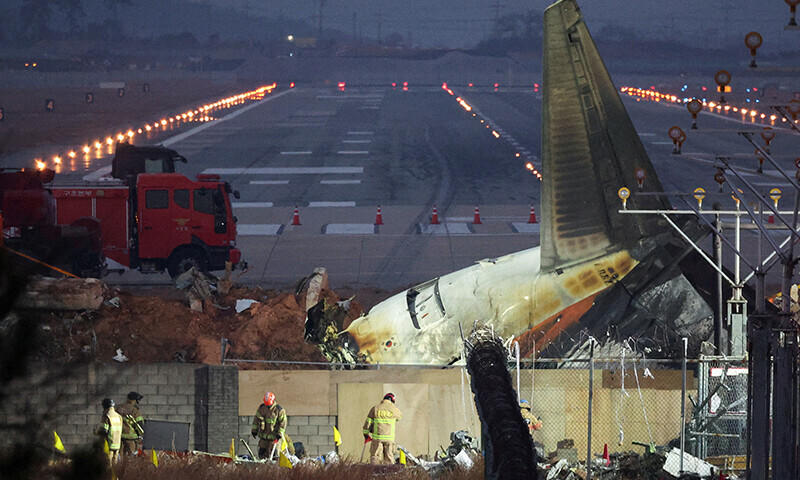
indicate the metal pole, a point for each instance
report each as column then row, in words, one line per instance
column 784, row 358
column 519, row 387
column 760, row 382
column 683, row 401
column 591, row 397
column 533, row 371
column 718, row 318
column 737, row 263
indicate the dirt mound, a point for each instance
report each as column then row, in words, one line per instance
column 155, row 324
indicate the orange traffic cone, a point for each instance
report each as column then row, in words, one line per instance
column 605, row 455
column 379, row 217
column 296, row 217
column 532, row 218
column 435, row 217
column 477, row 218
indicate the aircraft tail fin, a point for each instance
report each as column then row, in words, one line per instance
column 590, row 149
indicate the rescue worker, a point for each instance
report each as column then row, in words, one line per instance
column 269, row 426
column 379, row 428
column 530, row 419
column 132, row 424
column 110, row 429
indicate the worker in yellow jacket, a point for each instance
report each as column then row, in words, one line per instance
column 379, row 428
column 110, row 429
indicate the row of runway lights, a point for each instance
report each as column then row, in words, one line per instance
column 713, row 107
column 434, row 219
column 200, row 114
column 475, row 113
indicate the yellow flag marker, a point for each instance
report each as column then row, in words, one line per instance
column 106, row 448
column 284, row 461
column 337, row 437
column 232, row 450
column 284, row 445
column 402, row 457
column 154, row 457
column 57, row 443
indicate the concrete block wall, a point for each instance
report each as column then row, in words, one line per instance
column 217, row 406
column 315, row 431
column 69, row 400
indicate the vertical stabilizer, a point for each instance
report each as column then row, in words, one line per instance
column 589, row 150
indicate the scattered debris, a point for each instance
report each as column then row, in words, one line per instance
column 691, row 464
column 119, row 356
column 198, row 289
column 461, row 453
column 45, row 293
column 315, row 284
column 225, row 283
column 112, row 302
column 243, row 304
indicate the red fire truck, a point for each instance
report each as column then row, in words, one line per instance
column 149, row 221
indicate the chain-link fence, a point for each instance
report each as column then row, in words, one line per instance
column 637, row 404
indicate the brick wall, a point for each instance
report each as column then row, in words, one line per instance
column 69, row 401
column 315, row 431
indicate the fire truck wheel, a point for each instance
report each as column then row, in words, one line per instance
column 185, row 258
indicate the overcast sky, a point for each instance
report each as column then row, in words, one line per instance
column 459, row 22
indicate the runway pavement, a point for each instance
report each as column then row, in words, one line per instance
column 338, row 155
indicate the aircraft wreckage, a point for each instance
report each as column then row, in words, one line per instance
column 596, row 272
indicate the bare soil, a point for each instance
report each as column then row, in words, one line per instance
column 155, row 325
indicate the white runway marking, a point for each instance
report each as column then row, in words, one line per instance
column 353, row 152
column 339, row 182
column 445, row 229
column 349, row 229
column 285, row 170
column 356, row 141
column 661, row 143
column 269, row 229
column 298, row 124
column 269, row 182
column 337, row 97
column 647, row 134
column 299, row 152
column 331, row 204
column 521, row 227
column 251, row 204
column 361, row 133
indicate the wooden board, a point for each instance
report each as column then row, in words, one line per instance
column 451, row 412
column 413, row 400
column 299, row 392
column 355, row 400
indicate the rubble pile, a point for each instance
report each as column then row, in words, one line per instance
column 176, row 324
column 656, row 463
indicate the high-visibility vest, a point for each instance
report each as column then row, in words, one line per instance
column 113, row 424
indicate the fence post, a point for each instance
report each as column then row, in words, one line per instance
column 683, row 401
column 591, row 395
column 519, row 387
